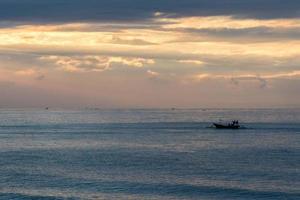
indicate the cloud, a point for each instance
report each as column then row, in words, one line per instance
column 40, row 77
column 226, row 21
column 62, row 11
column 261, row 79
column 91, row 63
column 36, row 74
column 153, row 74
column 118, row 40
column 78, row 64
column 178, row 50
column 237, row 80
column 195, row 62
column 26, row 72
column 293, row 74
column 132, row 62
column 228, row 28
column 249, row 63
column 243, row 35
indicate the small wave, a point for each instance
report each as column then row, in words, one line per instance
column 31, row 197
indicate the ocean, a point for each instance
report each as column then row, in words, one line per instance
column 153, row 154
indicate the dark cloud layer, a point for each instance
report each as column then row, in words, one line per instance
column 59, row 11
column 253, row 34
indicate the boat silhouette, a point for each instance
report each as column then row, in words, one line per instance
column 232, row 125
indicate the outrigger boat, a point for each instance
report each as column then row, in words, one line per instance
column 233, row 125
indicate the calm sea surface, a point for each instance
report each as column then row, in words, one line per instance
column 149, row 154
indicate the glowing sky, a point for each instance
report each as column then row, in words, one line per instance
column 142, row 53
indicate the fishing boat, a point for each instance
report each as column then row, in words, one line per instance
column 232, row 125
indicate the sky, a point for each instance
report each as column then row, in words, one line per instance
column 150, row 53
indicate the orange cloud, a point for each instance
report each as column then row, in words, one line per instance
column 94, row 63
column 226, row 22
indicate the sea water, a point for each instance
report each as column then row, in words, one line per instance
column 149, row 154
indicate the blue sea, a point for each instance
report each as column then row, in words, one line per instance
column 153, row 154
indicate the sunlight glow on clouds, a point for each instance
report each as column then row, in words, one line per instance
column 164, row 52
column 93, row 63
column 215, row 22
column 26, row 72
column 196, row 62
column 293, row 74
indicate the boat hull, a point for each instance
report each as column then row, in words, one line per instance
column 221, row 126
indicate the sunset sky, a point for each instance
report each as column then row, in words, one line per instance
column 149, row 53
